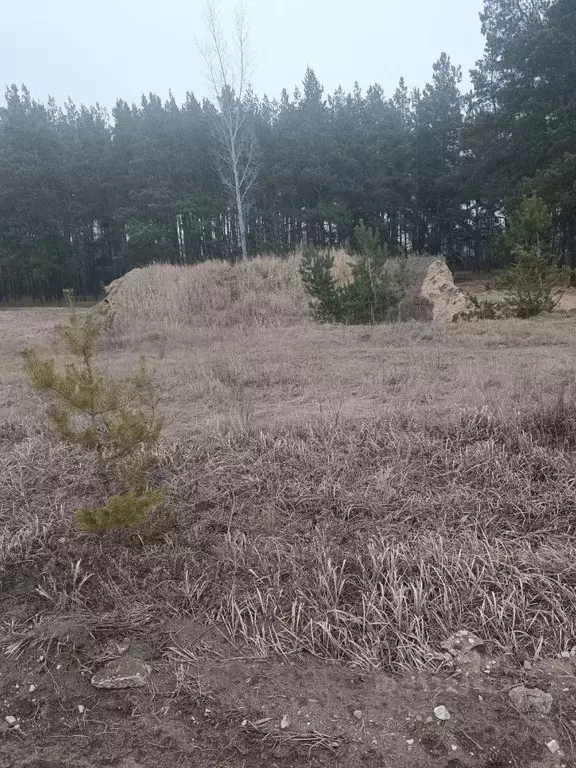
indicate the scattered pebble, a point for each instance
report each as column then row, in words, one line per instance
column 527, row 665
column 285, row 723
column 553, row 746
column 358, row 714
column 565, row 655
column 409, row 742
column 81, row 708
column 10, row 719
column 244, row 723
column 32, row 689
column 454, row 748
column 442, row 713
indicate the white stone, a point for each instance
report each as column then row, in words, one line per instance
column 10, row 719
column 442, row 713
column 553, row 746
column 125, row 672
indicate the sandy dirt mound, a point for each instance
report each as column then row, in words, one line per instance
column 264, row 291
column 446, row 298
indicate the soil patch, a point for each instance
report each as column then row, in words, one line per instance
column 208, row 704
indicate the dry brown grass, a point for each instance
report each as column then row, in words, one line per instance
column 357, row 493
column 215, row 294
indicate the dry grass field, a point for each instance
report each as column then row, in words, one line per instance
column 339, row 501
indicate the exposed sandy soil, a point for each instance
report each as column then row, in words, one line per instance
column 446, row 299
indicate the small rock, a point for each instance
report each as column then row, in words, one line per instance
column 10, row 719
column 442, row 713
column 122, row 673
column 285, row 723
column 409, row 742
column 81, row 708
column 565, row 655
column 531, row 700
column 454, row 748
column 358, row 714
column 32, row 689
column 461, row 642
column 553, row 746
column 527, row 665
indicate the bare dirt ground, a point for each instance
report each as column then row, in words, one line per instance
column 340, row 501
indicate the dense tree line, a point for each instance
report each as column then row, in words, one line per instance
column 84, row 197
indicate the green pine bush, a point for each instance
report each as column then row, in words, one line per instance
column 120, row 511
column 115, row 421
column 371, row 297
column 532, row 282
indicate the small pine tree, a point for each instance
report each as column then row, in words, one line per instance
column 316, row 271
column 371, row 297
column 116, row 421
column 533, row 279
column 367, row 244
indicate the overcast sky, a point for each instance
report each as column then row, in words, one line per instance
column 99, row 50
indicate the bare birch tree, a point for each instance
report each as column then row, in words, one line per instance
column 227, row 73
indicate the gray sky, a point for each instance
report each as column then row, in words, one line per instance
column 98, row 50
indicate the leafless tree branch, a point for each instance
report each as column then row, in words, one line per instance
column 228, row 77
